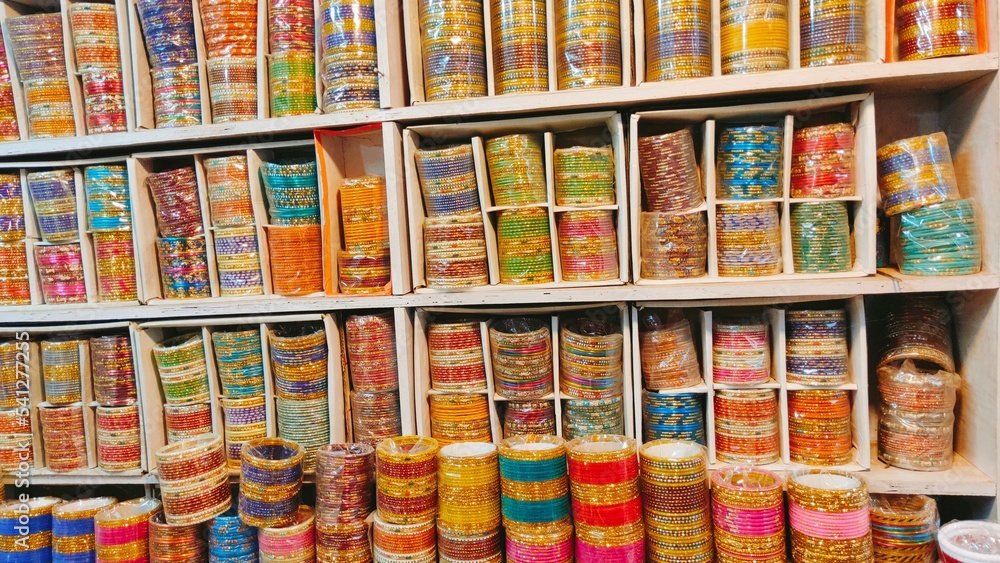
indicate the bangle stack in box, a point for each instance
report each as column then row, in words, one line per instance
column 13, row 250
column 299, row 358
column 364, row 212
column 109, row 215
column 292, row 65
column 9, row 128
column 168, row 31
column 294, row 237
column 520, row 46
column 588, row 242
column 230, row 31
column 453, row 49
column 58, row 257
column 181, row 246
column 99, row 63
column 590, row 375
column 40, row 58
column 588, row 44
column 374, row 377
column 928, row 29
column 754, row 36
column 349, row 70
column 237, row 249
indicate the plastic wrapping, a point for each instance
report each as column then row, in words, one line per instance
column 748, row 237
column 53, row 196
column 584, row 176
column 238, row 261
column 455, row 355
column 928, row 29
column 741, row 350
column 673, row 245
column 345, row 485
column 746, row 426
column 523, row 418
column 183, row 267
column 754, row 36
column 109, row 205
column 520, row 46
column 350, row 55
column 938, row 240
column 447, row 178
column 821, row 238
column 590, row 358
column 61, row 371
column 295, row 543
column 521, row 352
column 300, row 363
column 270, row 482
column 232, row 85
column 412, row 542
column 292, row 66
column 916, row 422
column 468, row 489
column 60, row 267
column 49, row 107
column 461, row 417
column 969, row 542
column 679, row 416
column 406, row 479
column 230, row 28
column 904, row 527
column 296, row 253
column 292, row 189
column 228, row 181
column 245, row 420
column 674, row 486
column 118, row 438
column 919, row 329
column 40, row 58
column 176, row 96
column 375, row 415
column 816, row 347
column 524, row 245
column 121, row 531
column 585, row 417
column 9, row 128
column 748, row 512
column 291, row 25
column 11, row 208
column 832, row 32
column 194, row 480
column 517, row 170
column 35, row 546
column 678, row 39
column 909, row 388
column 180, row 362
column 239, row 361
column 533, row 484
column 748, row 165
column 671, row 179
column 667, row 351
column 453, row 49
column 588, row 44
column 169, row 543
column 104, row 102
column 364, row 214
column 10, row 350
column 371, row 352
column 98, row 59
column 168, row 30
column 819, row 427
column 455, row 252
column 65, row 441
column 15, row 434
column 588, row 245
column 823, row 161
column 230, row 540
column 112, row 370
column 915, row 172
column 178, row 206
column 827, row 511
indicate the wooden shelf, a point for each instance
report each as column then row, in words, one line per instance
column 934, row 75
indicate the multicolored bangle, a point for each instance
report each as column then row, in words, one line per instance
column 447, row 178
column 53, row 195
column 931, row 29
column 194, row 480
column 588, row 245
column 65, row 441
column 239, row 361
column 228, row 182
column 455, row 252
column 673, row 245
column 517, row 170
column 169, row 543
column 939, row 240
column 406, row 478
column 748, row 237
column 832, row 33
column 121, row 531
column 523, row 418
column 915, row 172
column 118, row 438
column 73, row 529
column 371, row 352
column 270, row 482
column 521, row 354
column 748, row 512
column 294, row 543
column 584, row 417
column 588, row 44
column 61, row 371
column 183, row 369
column 904, row 526
column 823, row 161
column 676, row 500
column 590, row 358
column 533, row 484
column 584, row 176
column 455, row 355
column 741, row 350
column 520, row 54
column 816, row 346
column 453, row 48
column 177, row 203
column 350, row 55
column 11, row 202
column 746, row 426
column 667, row 351
column 829, row 516
column 673, row 416
column 678, row 39
column 819, row 427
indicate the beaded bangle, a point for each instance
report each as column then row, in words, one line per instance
column 455, row 355
column 533, row 483
column 73, row 529
column 517, row 169
column 754, row 36
column 245, row 420
column 588, row 247
column 453, row 49
column 291, row 75
column 345, row 488
column 584, row 176
column 741, row 351
column 904, row 527
column 829, row 516
column 183, row 369
column 673, row 245
column 239, row 361
column 169, row 543
column 11, row 199
column 816, row 347
column 455, row 251
column 746, row 426
column 590, row 359
column 942, row 28
column 918, row 329
column 940, row 239
column 468, row 490
column 178, row 206
column 675, row 499
column 118, row 438
column 295, row 543
column 270, row 479
column 230, row 540
column 821, row 237
column 520, row 56
column 749, row 163
column 296, row 259
column 523, row 418
column 61, row 370
column 406, row 470
column 448, row 181
column 748, row 237
column 525, row 246
column 183, row 267
column 232, row 80
column 65, row 442
column 676, row 417
column 194, row 480
column 349, row 56
column 671, row 179
column 14, row 274
column 394, row 543
column 60, row 267
column 588, row 44
column 916, row 172
column 583, row 417
column 678, row 39
column 121, row 531
column 376, row 416
column 187, row 421
column 521, row 354
column 832, row 32
column 823, row 160
column 667, row 352
column 371, row 352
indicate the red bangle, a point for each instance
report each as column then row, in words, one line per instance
column 603, row 473
column 609, row 515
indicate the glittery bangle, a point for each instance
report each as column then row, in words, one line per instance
column 453, row 49
column 65, row 442
column 678, row 39
column 468, row 490
column 677, row 524
column 588, row 44
column 932, row 30
column 410, row 499
column 61, row 370
column 121, row 531
column 118, row 438
column 183, row 370
column 447, row 178
column 754, row 36
column 517, row 170
column 270, row 480
column 521, row 352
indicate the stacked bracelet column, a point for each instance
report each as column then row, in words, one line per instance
column 406, row 471
column 469, row 503
column 345, row 496
column 299, row 356
column 676, row 501
column 73, row 529
column 194, row 480
column 829, row 516
column 121, row 531
column 294, row 543
column 170, row 543
column 748, row 513
column 36, row 547
column 904, row 527
column 270, row 482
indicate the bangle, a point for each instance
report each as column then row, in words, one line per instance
column 521, row 353
column 245, row 420
column 455, row 355
column 170, row 543
column 38, row 541
column 462, row 417
column 919, row 329
column 187, row 421
column 468, row 490
column 118, row 438
column 828, row 513
column 230, row 540
column 294, row 543
column 194, row 480
column 520, row 55
column 746, row 426
column 371, row 352
column 121, row 531
column 549, row 542
column 816, row 347
column 821, row 237
column 677, row 417
column 296, row 259
column 455, row 251
column 183, row 369
column 240, row 362
column 452, row 69
column 667, row 354
column 604, row 484
column 748, row 236
column 916, row 172
column 73, row 528
column 584, row 176
column 677, row 524
column 832, row 33
column 748, row 164
column 819, row 427
column 11, row 198
column 904, row 526
column 590, row 359
column 940, row 29
column 61, row 370
column 671, row 180
column 404, row 542
column 517, row 170
column 292, row 74
column 270, row 481
column 228, row 183
column 448, row 182
column 741, row 351
column 588, row 45
column 345, row 485
column 522, row 418
column 524, row 246
column 350, row 58
column 406, row 479
column 823, row 158
column 60, row 267
column 65, row 442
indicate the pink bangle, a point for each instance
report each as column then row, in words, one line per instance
column 748, row 521
column 525, row 553
column 830, row 525
column 630, row 553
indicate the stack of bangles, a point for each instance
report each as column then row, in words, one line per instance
column 469, row 502
column 832, row 33
column 99, row 60
column 364, row 262
column 459, row 417
column 350, row 55
column 676, row 501
column 819, row 427
column 748, row 164
column 821, row 237
column 183, row 370
column 748, row 511
column 36, row 546
column 178, row 205
column 109, row 206
column 671, row 179
column 453, row 49
column 37, row 42
column 678, row 39
column 230, row 540
column 11, row 205
column 299, row 358
column 529, row 417
column 177, row 96
column 168, row 30
column 521, row 355
column 823, row 161
column 294, row 543
column 14, row 274
column 584, row 176
column 828, row 513
column 113, row 370
column 552, row 543
column 904, row 528
column 520, row 53
column 916, row 423
column 748, row 237
column 674, row 416
column 114, row 252
column 270, row 482
column 673, row 245
column 406, row 477
column 61, row 370
column 963, row 542
column 746, row 426
column 73, row 529
column 9, row 352
column 186, row 421
column 9, row 129
column 65, row 441
column 447, row 178
column 919, row 328
column 371, row 352
column 292, row 72
column 237, row 258
column 183, row 267
column 15, row 433
column 816, row 347
column 345, row 496
column 230, row 33
column 741, row 351
column 455, row 251
column 172, row 544
column 667, row 354
column 292, row 191
column 583, row 417
column 588, row 246
column 118, row 438
column 239, row 361
column 535, row 499
column 517, row 170
column 404, row 543
column 939, row 240
column 455, row 355
column 296, row 259
column 53, row 195
column 588, row 44
column 245, row 420
column 60, row 267
column 121, row 531
column 607, row 510
column 194, row 480
column 229, row 191
column 590, row 359
column 916, row 172
column 754, row 36
column 524, row 244
column 928, row 29
column 376, row 416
